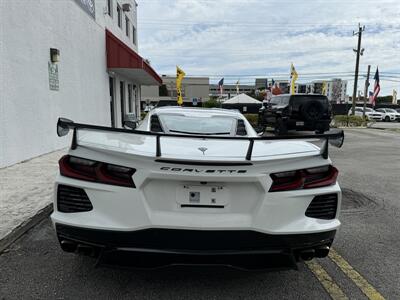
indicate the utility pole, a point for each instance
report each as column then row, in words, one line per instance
column 366, row 90
column 359, row 52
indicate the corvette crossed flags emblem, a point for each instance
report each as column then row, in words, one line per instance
column 203, row 149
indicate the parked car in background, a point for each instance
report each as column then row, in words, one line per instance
column 389, row 114
column 296, row 112
column 369, row 113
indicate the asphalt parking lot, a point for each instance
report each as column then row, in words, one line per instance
column 365, row 263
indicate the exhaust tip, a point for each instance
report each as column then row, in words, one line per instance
column 307, row 255
column 68, row 246
column 322, row 251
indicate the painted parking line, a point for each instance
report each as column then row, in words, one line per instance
column 360, row 281
column 327, row 282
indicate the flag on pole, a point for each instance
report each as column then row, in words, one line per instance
column 266, row 84
column 377, row 87
column 221, row 87
column 179, row 77
column 293, row 78
column 324, row 86
column 237, row 86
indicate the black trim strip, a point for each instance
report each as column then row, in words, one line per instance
column 201, row 206
column 201, row 163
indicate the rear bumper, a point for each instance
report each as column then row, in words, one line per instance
column 155, row 247
column 322, row 124
column 376, row 118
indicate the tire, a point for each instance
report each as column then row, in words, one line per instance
column 280, row 127
column 312, row 110
column 387, row 119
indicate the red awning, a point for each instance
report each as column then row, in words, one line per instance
column 123, row 60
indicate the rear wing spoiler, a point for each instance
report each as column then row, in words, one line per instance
column 335, row 138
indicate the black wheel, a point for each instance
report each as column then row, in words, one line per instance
column 280, row 127
column 312, row 110
column 387, row 119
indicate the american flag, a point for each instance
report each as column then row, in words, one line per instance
column 371, row 97
column 221, row 86
column 377, row 87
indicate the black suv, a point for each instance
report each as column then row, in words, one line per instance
column 298, row 112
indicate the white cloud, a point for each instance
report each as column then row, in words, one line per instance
column 254, row 37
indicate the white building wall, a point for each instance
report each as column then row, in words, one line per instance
column 29, row 109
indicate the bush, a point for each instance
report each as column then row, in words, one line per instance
column 252, row 118
column 211, row 103
column 349, row 121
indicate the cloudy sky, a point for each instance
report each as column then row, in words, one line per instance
column 244, row 39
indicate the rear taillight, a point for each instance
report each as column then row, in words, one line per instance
column 304, row 179
column 90, row 170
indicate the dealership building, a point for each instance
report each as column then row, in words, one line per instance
column 76, row 59
column 194, row 92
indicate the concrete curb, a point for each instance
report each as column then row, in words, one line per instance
column 24, row 227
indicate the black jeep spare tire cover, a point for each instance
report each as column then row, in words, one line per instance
column 312, row 110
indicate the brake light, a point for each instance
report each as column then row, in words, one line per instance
column 95, row 171
column 304, row 179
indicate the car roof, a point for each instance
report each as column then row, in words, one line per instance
column 196, row 110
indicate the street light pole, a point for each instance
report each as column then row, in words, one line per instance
column 366, row 90
column 359, row 52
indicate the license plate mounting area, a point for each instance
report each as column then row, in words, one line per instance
column 206, row 196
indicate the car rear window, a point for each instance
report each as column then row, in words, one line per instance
column 280, row 100
column 197, row 124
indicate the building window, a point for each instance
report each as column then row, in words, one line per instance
column 109, row 8
column 134, row 35
column 119, row 13
column 127, row 26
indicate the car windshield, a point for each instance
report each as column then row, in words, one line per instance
column 369, row 109
column 197, row 124
column 390, row 110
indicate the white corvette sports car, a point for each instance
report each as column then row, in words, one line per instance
column 195, row 186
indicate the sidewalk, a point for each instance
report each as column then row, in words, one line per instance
column 26, row 188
